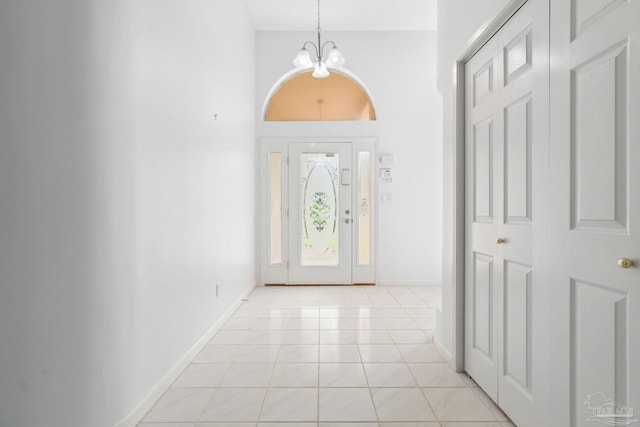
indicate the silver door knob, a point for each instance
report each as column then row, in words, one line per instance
column 625, row 263
column 347, row 221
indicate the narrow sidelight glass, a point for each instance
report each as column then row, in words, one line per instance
column 275, row 208
column 364, row 208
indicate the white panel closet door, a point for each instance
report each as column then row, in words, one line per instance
column 481, row 252
column 500, row 141
column 595, row 147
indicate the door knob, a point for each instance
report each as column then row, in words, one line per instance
column 347, row 212
column 625, row 263
column 347, row 221
column 500, row 240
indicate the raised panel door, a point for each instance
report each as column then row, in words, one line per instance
column 501, row 139
column 595, row 148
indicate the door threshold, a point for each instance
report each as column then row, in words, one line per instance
column 319, row 284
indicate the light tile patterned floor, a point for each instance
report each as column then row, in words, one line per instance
column 310, row 356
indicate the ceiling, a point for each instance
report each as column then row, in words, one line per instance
column 343, row 15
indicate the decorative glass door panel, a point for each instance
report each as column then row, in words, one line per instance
column 320, row 213
column 320, row 239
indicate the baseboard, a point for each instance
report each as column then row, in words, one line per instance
column 444, row 352
column 408, row 283
column 159, row 389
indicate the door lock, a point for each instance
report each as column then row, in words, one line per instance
column 625, row 263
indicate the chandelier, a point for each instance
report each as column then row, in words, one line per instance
column 322, row 64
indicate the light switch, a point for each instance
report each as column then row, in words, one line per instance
column 345, row 177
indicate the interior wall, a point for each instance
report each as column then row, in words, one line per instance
column 117, row 218
column 458, row 22
column 399, row 70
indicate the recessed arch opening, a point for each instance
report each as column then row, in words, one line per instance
column 298, row 96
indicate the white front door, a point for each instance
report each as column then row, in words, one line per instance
column 501, row 139
column 595, row 145
column 320, row 213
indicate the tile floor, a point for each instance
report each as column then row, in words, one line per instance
column 312, row 356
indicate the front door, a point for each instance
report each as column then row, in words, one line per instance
column 318, row 211
column 320, row 223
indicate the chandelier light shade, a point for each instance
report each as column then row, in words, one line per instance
column 335, row 58
column 322, row 64
column 303, row 60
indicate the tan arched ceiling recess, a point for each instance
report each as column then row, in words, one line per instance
column 305, row 98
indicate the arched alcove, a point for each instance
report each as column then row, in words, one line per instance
column 298, row 96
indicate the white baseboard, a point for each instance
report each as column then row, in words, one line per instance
column 159, row 389
column 407, row 283
column 444, row 352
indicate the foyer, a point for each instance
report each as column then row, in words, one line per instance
column 489, row 188
column 309, row 356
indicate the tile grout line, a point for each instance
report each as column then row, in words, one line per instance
column 318, row 300
column 266, row 392
column 373, row 402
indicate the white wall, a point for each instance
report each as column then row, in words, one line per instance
column 458, row 21
column 399, row 70
column 116, row 217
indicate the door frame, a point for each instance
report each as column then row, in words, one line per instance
column 278, row 274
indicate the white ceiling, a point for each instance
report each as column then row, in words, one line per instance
column 343, row 15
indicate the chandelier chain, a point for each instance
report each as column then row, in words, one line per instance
column 334, row 60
